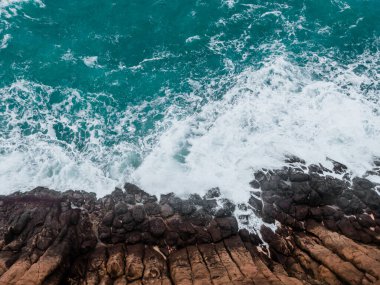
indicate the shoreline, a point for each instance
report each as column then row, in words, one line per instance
column 324, row 230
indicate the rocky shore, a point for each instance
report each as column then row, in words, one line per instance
column 317, row 229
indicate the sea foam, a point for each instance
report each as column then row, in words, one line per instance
column 315, row 111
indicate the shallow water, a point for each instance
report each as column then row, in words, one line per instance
column 183, row 96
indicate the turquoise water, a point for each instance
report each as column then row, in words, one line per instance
column 183, row 95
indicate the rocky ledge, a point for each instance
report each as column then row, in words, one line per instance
column 327, row 231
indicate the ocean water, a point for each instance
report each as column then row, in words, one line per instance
column 181, row 96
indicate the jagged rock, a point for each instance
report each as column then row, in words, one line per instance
column 212, row 193
column 328, row 232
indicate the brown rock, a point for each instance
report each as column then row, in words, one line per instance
column 218, row 272
column 134, row 262
column 116, row 262
column 343, row 269
column 180, row 270
column 200, row 273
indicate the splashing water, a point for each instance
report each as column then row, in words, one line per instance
column 181, row 97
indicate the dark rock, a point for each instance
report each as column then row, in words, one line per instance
column 21, row 223
column 260, row 176
column 121, row 208
column 255, row 184
column 171, row 238
column 126, row 218
column 108, row 218
column 202, row 235
column 214, row 231
column 132, row 189
column 138, row 214
column 299, row 177
column 226, row 210
column 152, row 209
column 196, row 199
column 347, row 228
column 166, row 211
column 200, row 218
column 244, row 235
column 256, row 203
column 228, row 226
column 133, row 237
column 175, row 203
column 294, row 159
column 187, row 207
column 366, row 221
column 186, row 232
column 338, row 167
column 209, row 205
column 157, row 227
column 104, row 234
column 314, row 168
column 212, row 193
column 243, row 219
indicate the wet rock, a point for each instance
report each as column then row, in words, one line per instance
column 212, row 193
column 299, row 177
column 327, row 232
column 256, row 203
column 255, row 184
column 226, row 209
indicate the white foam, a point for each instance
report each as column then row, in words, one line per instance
column 275, row 110
column 5, row 41
column 315, row 111
column 9, row 8
column 90, row 61
column 193, row 38
column 69, row 56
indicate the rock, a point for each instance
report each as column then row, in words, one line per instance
column 327, row 232
column 256, row 203
column 157, row 227
column 21, row 223
column 180, row 269
column 116, row 262
column 134, row 262
column 212, row 193
column 121, row 208
column 166, row 211
column 108, row 218
column 218, row 273
column 200, row 272
column 255, row 184
column 299, row 177
column 138, row 214
column 175, row 203
column 226, row 209
column 152, row 209
column 187, row 207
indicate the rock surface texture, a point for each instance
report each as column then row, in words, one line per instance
column 327, row 232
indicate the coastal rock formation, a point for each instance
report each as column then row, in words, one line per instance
column 327, row 232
